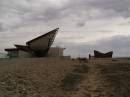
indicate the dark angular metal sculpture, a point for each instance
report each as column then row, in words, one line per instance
column 98, row 54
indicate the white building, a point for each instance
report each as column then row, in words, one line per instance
column 38, row 47
column 17, row 53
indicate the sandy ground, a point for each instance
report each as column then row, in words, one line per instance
column 64, row 78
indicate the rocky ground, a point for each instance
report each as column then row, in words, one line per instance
column 64, row 78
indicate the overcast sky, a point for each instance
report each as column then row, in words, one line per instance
column 84, row 25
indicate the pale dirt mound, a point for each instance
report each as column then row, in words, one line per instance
column 64, row 78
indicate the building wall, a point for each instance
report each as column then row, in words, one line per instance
column 23, row 54
column 55, row 52
column 12, row 54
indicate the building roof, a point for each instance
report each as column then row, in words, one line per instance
column 11, row 49
column 42, row 36
column 22, row 47
column 43, row 42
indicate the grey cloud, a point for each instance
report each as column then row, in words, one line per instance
column 28, row 11
column 81, row 24
column 106, row 8
column 86, row 9
column 53, row 13
column 113, row 7
column 101, row 31
column 16, row 13
column 125, row 23
column 1, row 27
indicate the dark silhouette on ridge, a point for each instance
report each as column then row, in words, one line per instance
column 98, row 54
